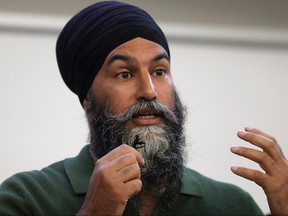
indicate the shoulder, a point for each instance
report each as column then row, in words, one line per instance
column 36, row 192
column 35, row 181
column 37, row 178
column 207, row 184
column 52, row 177
column 209, row 196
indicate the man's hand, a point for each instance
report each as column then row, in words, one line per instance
column 116, row 177
column 274, row 179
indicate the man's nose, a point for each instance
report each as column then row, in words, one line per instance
column 146, row 88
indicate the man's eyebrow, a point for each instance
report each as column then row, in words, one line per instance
column 128, row 58
column 162, row 55
column 119, row 57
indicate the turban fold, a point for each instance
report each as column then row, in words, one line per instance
column 89, row 37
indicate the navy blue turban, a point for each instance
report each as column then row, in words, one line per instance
column 89, row 37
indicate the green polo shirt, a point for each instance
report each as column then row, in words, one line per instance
column 60, row 189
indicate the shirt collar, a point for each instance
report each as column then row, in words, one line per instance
column 80, row 168
column 190, row 184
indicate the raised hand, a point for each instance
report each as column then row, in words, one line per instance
column 273, row 177
column 116, row 177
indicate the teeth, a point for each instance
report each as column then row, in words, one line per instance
column 147, row 116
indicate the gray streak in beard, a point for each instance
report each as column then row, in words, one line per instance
column 157, row 140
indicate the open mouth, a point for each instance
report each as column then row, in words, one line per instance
column 148, row 113
column 147, row 117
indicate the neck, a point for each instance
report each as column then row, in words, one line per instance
column 149, row 201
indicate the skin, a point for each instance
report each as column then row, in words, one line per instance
column 274, row 179
column 138, row 69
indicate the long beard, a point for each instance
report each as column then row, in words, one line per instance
column 164, row 144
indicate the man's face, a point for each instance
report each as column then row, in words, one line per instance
column 136, row 70
column 133, row 96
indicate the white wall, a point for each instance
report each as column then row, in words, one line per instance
column 225, row 90
column 224, row 87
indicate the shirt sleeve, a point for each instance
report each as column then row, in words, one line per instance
column 12, row 198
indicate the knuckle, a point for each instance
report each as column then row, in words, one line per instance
column 259, row 178
column 132, row 169
column 263, row 157
column 137, row 170
column 271, row 145
column 98, row 163
column 123, row 147
column 274, row 186
column 127, row 170
column 138, row 185
column 250, row 136
column 271, row 163
column 128, row 158
column 243, row 151
column 103, row 174
column 265, row 160
column 132, row 158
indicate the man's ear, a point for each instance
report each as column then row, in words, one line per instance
column 86, row 104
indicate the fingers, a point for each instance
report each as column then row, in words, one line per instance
column 270, row 156
column 260, row 157
column 271, row 159
column 133, row 187
column 115, row 178
column 271, row 138
column 123, row 162
column 266, row 142
column 124, row 149
column 127, row 167
column 253, row 175
column 259, row 132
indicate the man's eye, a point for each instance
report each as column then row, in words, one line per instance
column 124, row 75
column 158, row 73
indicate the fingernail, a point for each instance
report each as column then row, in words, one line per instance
column 234, row 148
column 234, row 168
column 240, row 132
column 248, row 128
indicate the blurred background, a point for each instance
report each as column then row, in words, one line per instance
column 229, row 64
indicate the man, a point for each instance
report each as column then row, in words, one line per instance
column 117, row 60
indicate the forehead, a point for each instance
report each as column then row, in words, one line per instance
column 138, row 47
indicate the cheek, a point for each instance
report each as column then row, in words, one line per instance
column 166, row 95
column 117, row 100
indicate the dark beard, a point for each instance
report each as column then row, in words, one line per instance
column 164, row 149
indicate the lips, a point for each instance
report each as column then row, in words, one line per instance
column 147, row 113
column 147, row 117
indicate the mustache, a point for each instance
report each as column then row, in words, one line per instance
column 141, row 106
